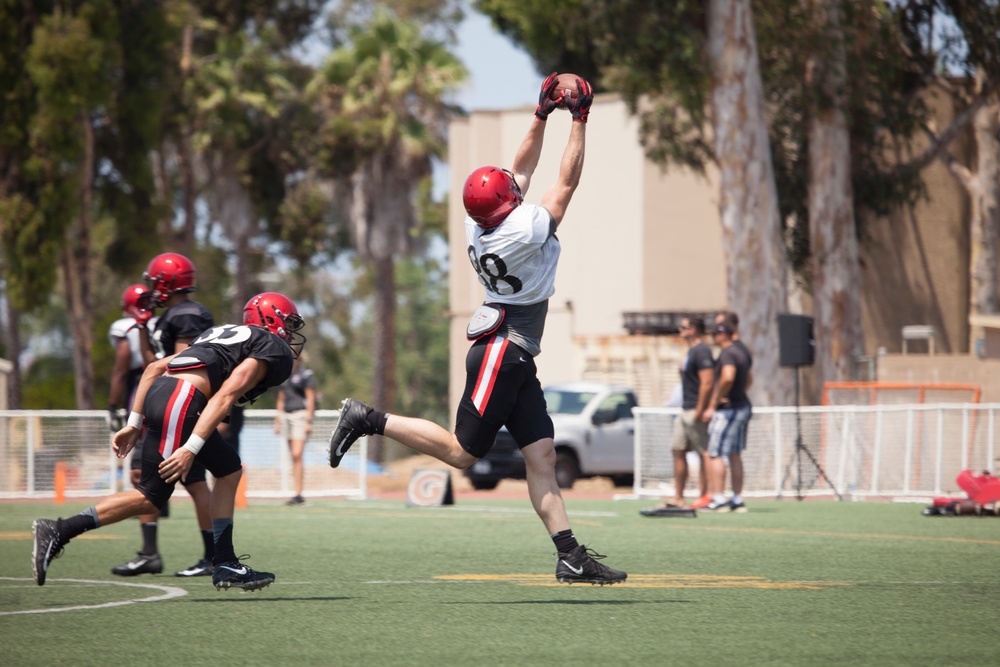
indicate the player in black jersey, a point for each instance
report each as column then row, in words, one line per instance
column 170, row 278
column 182, row 399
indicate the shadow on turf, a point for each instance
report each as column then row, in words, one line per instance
column 261, row 598
column 584, row 602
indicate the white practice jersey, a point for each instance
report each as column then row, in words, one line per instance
column 124, row 328
column 516, row 261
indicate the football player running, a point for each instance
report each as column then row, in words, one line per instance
column 170, row 279
column 513, row 248
column 182, row 399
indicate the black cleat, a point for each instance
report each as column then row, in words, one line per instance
column 141, row 564
column 236, row 575
column 297, row 500
column 737, row 507
column 580, row 566
column 202, row 568
column 352, row 425
column 48, row 545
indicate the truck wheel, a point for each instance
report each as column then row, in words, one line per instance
column 623, row 480
column 484, row 484
column 567, row 470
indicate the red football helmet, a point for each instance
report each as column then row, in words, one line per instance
column 489, row 195
column 168, row 274
column 137, row 302
column 276, row 313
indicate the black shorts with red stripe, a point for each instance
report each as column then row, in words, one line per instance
column 501, row 389
column 172, row 408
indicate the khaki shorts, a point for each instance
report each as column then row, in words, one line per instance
column 293, row 425
column 689, row 435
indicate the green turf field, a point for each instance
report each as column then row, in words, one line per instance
column 377, row 583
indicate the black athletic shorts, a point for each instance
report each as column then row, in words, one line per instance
column 172, row 409
column 501, row 389
column 195, row 475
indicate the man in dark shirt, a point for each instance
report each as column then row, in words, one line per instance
column 690, row 430
column 727, row 416
column 182, row 399
column 293, row 420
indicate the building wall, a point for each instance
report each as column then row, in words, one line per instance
column 915, row 264
column 634, row 237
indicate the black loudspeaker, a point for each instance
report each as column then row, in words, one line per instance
column 795, row 338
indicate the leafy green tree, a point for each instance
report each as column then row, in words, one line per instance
column 836, row 74
column 955, row 42
column 72, row 144
column 381, row 96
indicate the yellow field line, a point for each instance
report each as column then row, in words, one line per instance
column 879, row 536
column 27, row 536
column 657, row 581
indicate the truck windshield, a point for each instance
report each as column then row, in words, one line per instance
column 567, row 402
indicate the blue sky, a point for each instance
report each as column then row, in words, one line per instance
column 500, row 76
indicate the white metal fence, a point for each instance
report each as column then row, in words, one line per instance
column 864, row 451
column 32, row 442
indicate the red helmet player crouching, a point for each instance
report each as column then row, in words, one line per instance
column 181, row 399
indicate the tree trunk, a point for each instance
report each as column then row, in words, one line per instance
column 185, row 154
column 384, row 368
column 189, row 194
column 76, row 276
column 748, row 200
column 234, row 212
column 985, row 223
column 835, row 267
column 12, row 345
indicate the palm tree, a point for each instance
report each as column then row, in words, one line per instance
column 385, row 119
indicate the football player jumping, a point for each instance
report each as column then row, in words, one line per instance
column 513, row 248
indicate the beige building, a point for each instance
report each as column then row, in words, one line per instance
column 634, row 239
column 640, row 239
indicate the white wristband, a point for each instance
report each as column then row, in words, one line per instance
column 194, row 444
column 135, row 420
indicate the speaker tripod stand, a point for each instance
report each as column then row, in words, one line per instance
column 801, row 449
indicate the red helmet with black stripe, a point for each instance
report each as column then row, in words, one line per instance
column 276, row 313
column 137, row 302
column 169, row 273
column 490, row 194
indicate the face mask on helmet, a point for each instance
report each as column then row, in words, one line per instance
column 168, row 274
column 276, row 313
column 489, row 195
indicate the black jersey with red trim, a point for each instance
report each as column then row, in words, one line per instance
column 187, row 319
column 221, row 349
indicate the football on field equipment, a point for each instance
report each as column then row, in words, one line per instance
column 276, row 313
column 489, row 195
column 168, row 274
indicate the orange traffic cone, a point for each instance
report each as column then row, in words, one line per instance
column 59, row 482
column 241, row 491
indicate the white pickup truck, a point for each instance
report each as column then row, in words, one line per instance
column 594, row 435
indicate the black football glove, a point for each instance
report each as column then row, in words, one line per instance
column 546, row 104
column 579, row 108
column 116, row 418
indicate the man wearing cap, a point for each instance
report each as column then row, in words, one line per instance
column 727, row 415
